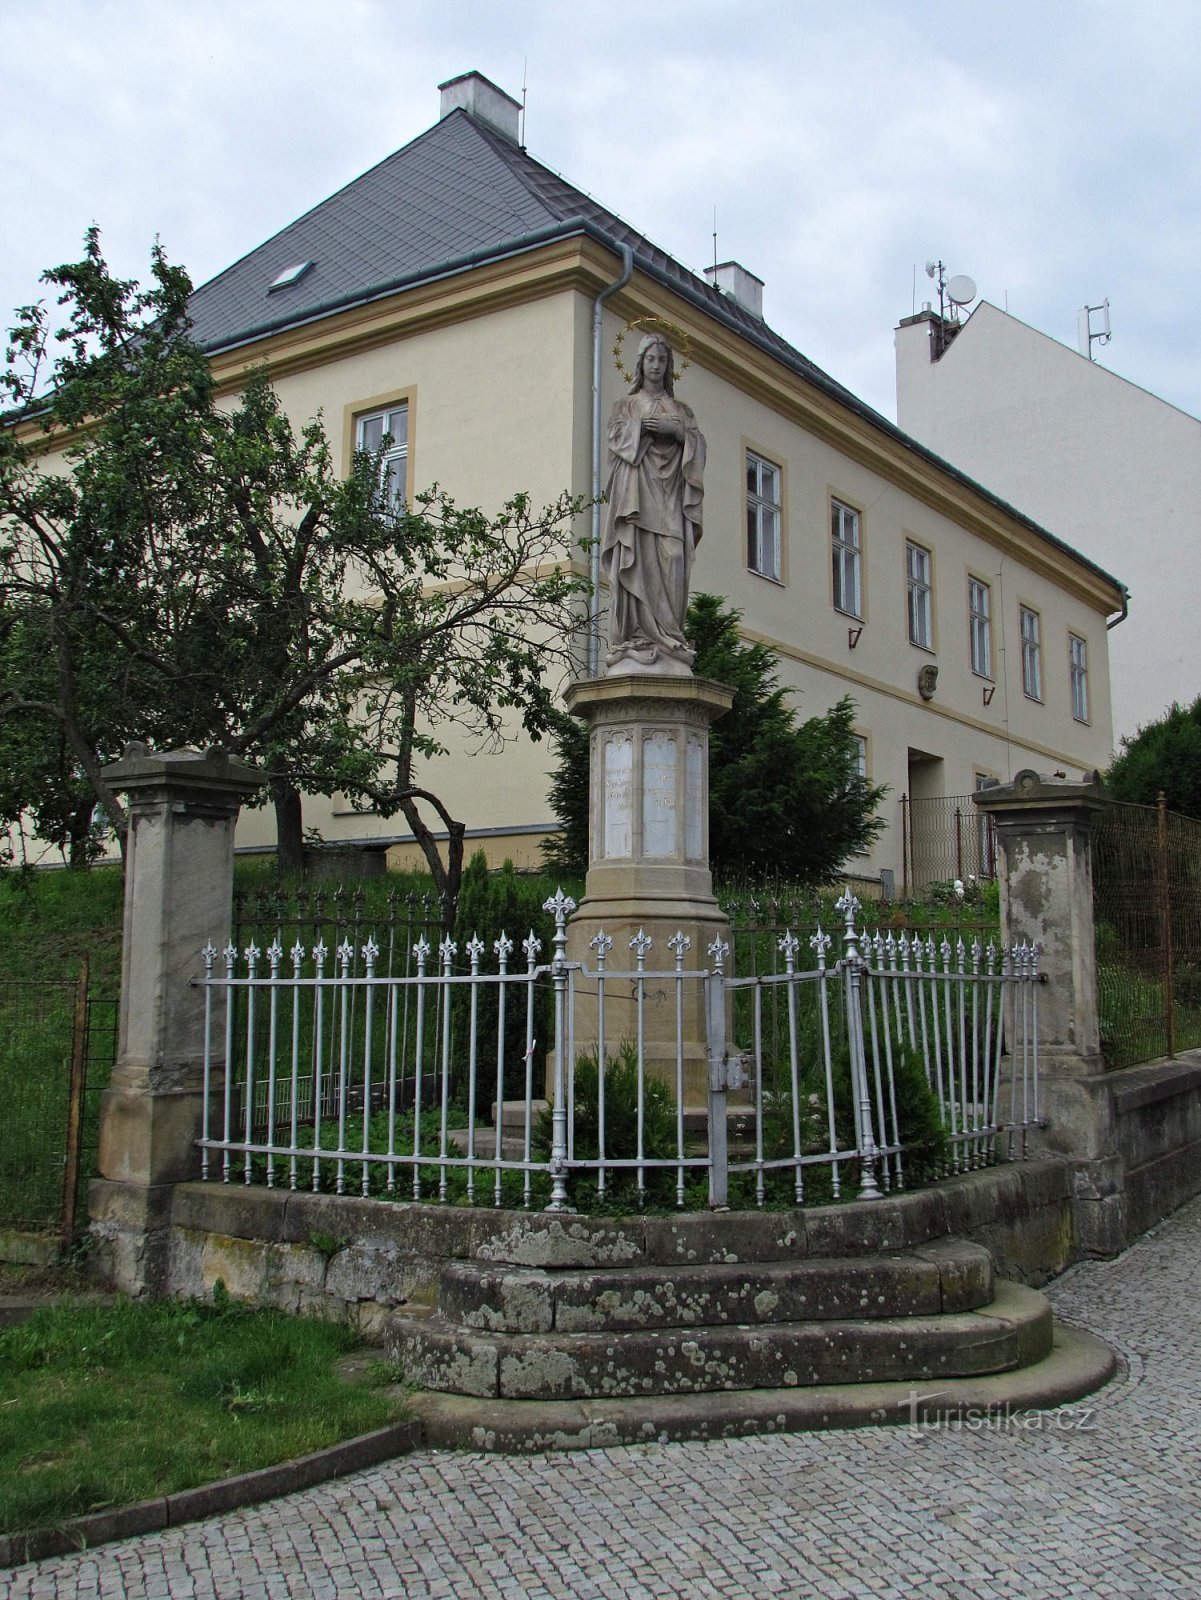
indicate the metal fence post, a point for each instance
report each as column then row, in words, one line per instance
column 715, row 1046
column 868, row 1187
column 560, row 905
column 1165, row 911
column 75, row 1092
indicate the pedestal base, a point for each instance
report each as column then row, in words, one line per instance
column 648, row 871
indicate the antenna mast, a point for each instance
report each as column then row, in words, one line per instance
column 1085, row 337
column 525, row 60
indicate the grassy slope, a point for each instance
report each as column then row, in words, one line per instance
column 103, row 1407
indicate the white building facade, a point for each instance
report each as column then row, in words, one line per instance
column 1112, row 470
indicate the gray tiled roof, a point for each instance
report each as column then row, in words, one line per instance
column 462, row 192
column 459, row 190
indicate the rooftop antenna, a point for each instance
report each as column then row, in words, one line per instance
column 935, row 269
column 1085, row 337
column 961, row 291
column 524, row 64
column 714, row 244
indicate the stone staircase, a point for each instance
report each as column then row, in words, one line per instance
column 522, row 1353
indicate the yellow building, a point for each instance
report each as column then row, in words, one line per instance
column 459, row 297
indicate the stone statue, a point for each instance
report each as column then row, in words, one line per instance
column 656, row 466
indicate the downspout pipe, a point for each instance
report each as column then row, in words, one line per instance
column 594, row 567
column 1125, row 611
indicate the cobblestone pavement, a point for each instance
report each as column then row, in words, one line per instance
column 1094, row 1501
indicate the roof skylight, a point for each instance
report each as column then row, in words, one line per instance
column 290, row 275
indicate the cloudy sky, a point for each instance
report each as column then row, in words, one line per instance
column 1048, row 148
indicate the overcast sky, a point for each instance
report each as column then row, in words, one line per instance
column 1048, row 148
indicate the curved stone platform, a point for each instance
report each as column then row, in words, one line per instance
column 897, row 1343
column 1077, row 1365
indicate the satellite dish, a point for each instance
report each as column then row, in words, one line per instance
column 961, row 291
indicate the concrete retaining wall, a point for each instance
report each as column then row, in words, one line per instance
column 356, row 1260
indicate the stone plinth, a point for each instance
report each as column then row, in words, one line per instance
column 178, row 895
column 648, row 850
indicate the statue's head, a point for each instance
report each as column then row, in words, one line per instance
column 655, row 341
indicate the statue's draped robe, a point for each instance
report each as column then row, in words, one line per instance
column 654, row 525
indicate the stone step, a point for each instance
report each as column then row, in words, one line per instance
column 1014, row 1331
column 512, row 1144
column 951, row 1276
column 1077, row 1365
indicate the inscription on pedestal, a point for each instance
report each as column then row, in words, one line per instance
column 694, row 798
column 617, row 796
column 660, row 799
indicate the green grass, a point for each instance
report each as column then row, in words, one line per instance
column 50, row 920
column 104, row 1407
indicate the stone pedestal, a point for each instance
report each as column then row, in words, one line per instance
column 178, row 895
column 648, row 850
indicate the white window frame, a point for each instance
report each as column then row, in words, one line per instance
column 847, row 558
column 764, row 481
column 919, row 595
column 1031, row 629
column 979, row 622
column 1078, row 675
column 861, row 758
column 394, row 462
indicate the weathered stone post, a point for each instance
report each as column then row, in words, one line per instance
column 1046, row 882
column 178, row 895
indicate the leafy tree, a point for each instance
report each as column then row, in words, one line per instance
column 187, row 572
column 785, row 797
column 1162, row 756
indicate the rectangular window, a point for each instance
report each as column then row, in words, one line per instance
column 386, row 434
column 979, row 613
column 1032, row 666
column 844, row 534
column 860, row 744
column 762, row 517
column 917, row 585
column 1078, row 671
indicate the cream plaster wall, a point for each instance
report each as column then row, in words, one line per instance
column 504, row 401
column 1106, row 466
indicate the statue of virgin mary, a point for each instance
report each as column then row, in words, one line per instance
column 655, row 490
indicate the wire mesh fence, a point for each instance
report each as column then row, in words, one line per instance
column 945, row 837
column 1146, row 864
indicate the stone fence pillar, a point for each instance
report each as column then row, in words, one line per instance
column 178, row 895
column 1046, row 883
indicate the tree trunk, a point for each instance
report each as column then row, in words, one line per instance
column 289, row 825
column 79, row 835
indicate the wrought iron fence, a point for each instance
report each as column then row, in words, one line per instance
column 1146, row 864
column 900, row 1060
column 945, row 837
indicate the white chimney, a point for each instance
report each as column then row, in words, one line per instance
column 739, row 285
column 473, row 93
